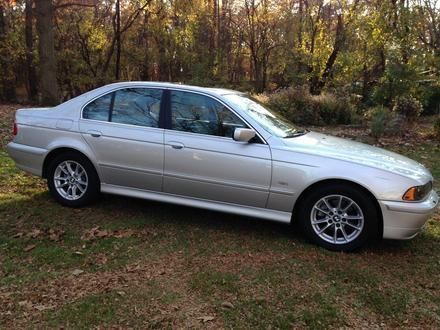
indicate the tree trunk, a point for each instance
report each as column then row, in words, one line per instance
column 145, row 74
column 46, row 49
column 118, row 40
column 258, row 75
column 7, row 72
column 163, row 61
column 300, row 25
column 318, row 83
column 2, row 21
column 215, row 34
column 30, row 67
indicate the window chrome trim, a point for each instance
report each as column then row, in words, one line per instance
column 221, row 102
column 114, row 91
column 117, row 124
column 209, row 136
column 183, row 89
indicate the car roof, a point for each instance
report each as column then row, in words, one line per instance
column 210, row 90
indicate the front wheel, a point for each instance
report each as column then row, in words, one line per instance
column 72, row 180
column 338, row 217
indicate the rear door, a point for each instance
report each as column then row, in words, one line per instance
column 203, row 161
column 122, row 128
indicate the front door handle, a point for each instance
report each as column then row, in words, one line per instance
column 94, row 133
column 176, row 145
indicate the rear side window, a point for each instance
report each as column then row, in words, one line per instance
column 99, row 109
column 137, row 106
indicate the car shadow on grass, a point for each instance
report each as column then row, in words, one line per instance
column 116, row 212
column 189, row 217
column 185, row 218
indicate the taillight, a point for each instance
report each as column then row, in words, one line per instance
column 15, row 129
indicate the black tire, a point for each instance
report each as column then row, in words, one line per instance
column 349, row 192
column 91, row 191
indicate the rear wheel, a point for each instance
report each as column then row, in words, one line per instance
column 338, row 217
column 72, row 180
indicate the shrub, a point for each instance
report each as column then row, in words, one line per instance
column 429, row 96
column 382, row 122
column 407, row 106
column 378, row 117
column 299, row 106
column 437, row 128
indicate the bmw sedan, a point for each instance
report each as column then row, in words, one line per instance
column 221, row 150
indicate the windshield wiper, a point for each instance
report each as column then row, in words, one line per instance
column 296, row 133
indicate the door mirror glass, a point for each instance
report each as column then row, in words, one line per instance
column 244, row 134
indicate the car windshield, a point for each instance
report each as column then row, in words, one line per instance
column 269, row 120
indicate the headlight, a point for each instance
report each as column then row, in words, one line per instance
column 417, row 193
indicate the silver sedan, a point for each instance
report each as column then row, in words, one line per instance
column 221, row 150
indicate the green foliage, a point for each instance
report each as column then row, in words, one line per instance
column 408, row 107
column 379, row 50
column 299, row 106
column 378, row 117
column 437, row 129
column 430, row 97
column 383, row 122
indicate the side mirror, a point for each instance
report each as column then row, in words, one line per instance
column 243, row 134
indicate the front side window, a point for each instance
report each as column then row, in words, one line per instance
column 99, row 108
column 195, row 113
column 137, row 106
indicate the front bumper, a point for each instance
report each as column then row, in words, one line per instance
column 404, row 220
column 27, row 158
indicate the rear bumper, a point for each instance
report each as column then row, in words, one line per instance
column 403, row 220
column 27, row 158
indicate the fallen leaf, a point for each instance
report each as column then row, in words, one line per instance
column 102, row 233
column 42, row 307
column 55, row 234
column 25, row 304
column 102, row 260
column 227, row 304
column 35, row 233
column 18, row 235
column 123, row 233
column 29, row 248
column 205, row 319
column 77, row 272
column 89, row 234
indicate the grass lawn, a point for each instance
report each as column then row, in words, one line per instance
column 132, row 263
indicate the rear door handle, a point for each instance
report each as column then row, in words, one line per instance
column 94, row 133
column 176, row 145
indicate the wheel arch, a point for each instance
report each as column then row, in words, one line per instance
column 58, row 151
column 315, row 185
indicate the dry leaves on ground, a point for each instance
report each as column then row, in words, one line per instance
column 97, row 232
column 54, row 235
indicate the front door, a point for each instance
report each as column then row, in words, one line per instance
column 203, row 161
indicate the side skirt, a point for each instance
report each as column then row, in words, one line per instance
column 255, row 212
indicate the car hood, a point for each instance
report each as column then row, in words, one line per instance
column 347, row 150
